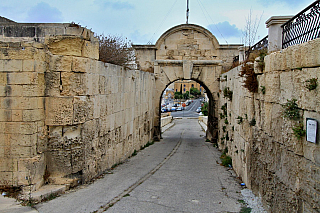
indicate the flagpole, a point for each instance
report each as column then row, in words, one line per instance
column 187, row 11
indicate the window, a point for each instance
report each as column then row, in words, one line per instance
column 192, row 85
column 184, row 90
column 176, row 90
column 200, row 90
column 184, row 85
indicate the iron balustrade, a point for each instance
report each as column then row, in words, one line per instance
column 260, row 45
column 303, row 27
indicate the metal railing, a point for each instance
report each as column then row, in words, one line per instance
column 262, row 44
column 303, row 27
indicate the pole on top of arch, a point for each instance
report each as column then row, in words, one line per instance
column 187, row 12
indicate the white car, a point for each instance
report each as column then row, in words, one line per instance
column 198, row 109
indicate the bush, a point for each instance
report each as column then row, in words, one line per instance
column 298, row 131
column 204, row 109
column 250, row 78
column 227, row 93
column 115, row 50
column 226, row 160
column 291, row 110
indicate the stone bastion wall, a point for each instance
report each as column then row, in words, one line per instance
column 270, row 159
column 63, row 113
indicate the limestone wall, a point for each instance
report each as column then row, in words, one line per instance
column 64, row 114
column 283, row 170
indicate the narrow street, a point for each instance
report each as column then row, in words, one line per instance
column 180, row 173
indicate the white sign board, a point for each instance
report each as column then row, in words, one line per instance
column 311, row 130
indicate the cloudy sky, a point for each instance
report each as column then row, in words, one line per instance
column 143, row 21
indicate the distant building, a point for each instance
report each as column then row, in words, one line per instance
column 186, row 85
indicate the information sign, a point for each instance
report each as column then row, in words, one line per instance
column 312, row 127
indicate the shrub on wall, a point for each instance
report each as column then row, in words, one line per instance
column 250, row 78
column 115, row 50
column 227, row 93
column 291, row 110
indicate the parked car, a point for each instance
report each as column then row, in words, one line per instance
column 173, row 108
column 198, row 109
column 179, row 109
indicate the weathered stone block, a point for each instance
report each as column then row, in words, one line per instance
column 52, row 83
column 91, row 49
column 28, row 65
column 59, row 110
column 16, row 115
column 287, row 87
column 3, row 79
column 22, row 78
column 12, row 65
column 80, row 109
column 65, row 45
column 296, row 56
column 310, row 53
column 21, row 103
column 33, row 115
column 60, row 63
column 272, row 81
column 5, row 115
column 81, row 64
column 73, row 84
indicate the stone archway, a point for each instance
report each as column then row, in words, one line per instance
column 187, row 52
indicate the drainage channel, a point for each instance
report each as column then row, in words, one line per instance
column 144, row 178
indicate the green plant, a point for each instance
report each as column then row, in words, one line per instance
column 227, row 93
column 245, row 209
column 242, row 150
column 299, row 131
column 312, row 84
column 246, row 115
column 205, row 109
column 226, row 160
column 232, row 128
column 252, row 122
column 291, row 110
column 263, row 89
column 242, row 201
column 134, row 153
column 224, row 128
column 224, row 109
column 226, row 121
column 221, row 115
column 225, row 151
column 227, row 136
column 240, row 119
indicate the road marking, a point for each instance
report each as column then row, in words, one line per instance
column 144, row 178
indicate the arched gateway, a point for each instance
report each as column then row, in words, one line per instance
column 186, row 51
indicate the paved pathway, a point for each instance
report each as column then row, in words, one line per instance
column 178, row 174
